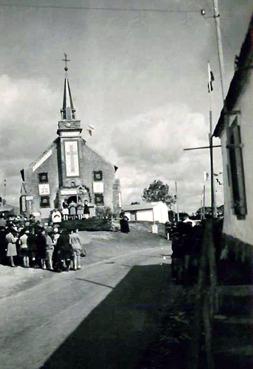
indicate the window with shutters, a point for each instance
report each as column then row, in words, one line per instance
column 235, row 151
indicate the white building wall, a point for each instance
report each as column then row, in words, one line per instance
column 158, row 213
column 145, row 215
column 127, row 214
column 161, row 213
column 241, row 229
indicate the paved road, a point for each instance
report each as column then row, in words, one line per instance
column 35, row 321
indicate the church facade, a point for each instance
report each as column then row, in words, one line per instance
column 68, row 170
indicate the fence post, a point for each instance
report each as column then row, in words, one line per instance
column 205, row 299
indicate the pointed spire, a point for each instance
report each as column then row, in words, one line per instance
column 68, row 110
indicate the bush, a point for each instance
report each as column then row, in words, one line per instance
column 103, row 212
column 91, row 224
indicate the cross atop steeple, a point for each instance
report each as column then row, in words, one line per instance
column 68, row 122
column 68, row 110
column 66, row 60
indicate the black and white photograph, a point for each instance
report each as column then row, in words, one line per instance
column 126, row 184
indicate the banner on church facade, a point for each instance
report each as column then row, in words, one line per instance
column 98, row 187
column 44, row 189
column 71, row 158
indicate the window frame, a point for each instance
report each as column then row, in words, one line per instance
column 48, row 201
column 97, row 173
column 40, row 175
column 236, row 178
column 99, row 195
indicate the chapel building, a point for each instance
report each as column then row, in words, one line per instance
column 68, row 170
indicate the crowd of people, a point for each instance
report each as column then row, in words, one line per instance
column 27, row 243
column 75, row 210
column 32, row 245
column 186, row 237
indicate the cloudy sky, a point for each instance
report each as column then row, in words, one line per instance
column 139, row 76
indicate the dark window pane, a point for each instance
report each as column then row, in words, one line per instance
column 45, row 202
column 99, row 199
column 98, row 175
column 43, row 178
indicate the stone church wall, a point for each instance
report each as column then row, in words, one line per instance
column 50, row 166
column 69, row 170
column 90, row 162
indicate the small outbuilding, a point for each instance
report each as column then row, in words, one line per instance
column 147, row 212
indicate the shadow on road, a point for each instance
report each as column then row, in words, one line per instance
column 117, row 331
column 96, row 283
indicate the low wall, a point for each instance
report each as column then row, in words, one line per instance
column 236, row 248
column 235, row 264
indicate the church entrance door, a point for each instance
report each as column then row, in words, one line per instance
column 72, row 199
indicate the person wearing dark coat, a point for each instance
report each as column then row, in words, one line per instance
column 124, row 226
column 32, row 247
column 86, row 210
column 41, row 243
column 177, row 254
column 65, row 210
column 64, row 250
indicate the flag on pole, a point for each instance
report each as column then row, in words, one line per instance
column 210, row 79
column 206, row 176
column 22, row 172
column 90, row 129
column 218, row 179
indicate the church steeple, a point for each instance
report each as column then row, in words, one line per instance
column 68, row 126
column 68, row 110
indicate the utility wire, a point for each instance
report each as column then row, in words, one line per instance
column 225, row 38
column 110, row 9
column 208, row 6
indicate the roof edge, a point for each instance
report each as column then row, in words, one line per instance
column 244, row 66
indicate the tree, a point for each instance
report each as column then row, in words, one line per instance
column 158, row 191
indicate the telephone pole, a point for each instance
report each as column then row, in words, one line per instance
column 177, row 212
column 5, row 191
column 216, row 16
column 213, row 199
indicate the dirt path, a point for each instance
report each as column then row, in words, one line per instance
column 38, row 318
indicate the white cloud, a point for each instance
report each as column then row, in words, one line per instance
column 147, row 147
column 25, row 126
column 150, row 146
